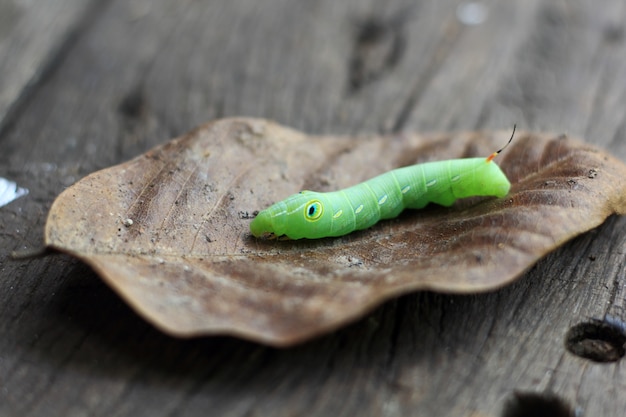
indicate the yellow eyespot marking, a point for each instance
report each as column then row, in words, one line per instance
column 431, row 183
column 406, row 189
column 455, row 178
column 382, row 200
column 313, row 210
column 358, row 209
column 338, row 214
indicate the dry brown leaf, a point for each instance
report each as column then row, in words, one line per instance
column 169, row 230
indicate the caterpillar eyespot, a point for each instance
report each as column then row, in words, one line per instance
column 313, row 210
column 313, row 215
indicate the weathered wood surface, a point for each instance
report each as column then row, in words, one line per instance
column 32, row 39
column 134, row 74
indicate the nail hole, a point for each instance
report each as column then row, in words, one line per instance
column 525, row 404
column 597, row 340
column 614, row 34
column 379, row 45
column 134, row 105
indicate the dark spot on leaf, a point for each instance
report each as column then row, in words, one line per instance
column 245, row 215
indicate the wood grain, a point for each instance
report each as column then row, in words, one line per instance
column 32, row 41
column 138, row 73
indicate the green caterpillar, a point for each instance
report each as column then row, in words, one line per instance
column 314, row 215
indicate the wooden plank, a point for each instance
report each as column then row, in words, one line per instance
column 142, row 72
column 32, row 37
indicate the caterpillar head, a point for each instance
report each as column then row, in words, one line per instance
column 301, row 215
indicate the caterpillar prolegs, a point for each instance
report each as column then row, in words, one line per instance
column 313, row 215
